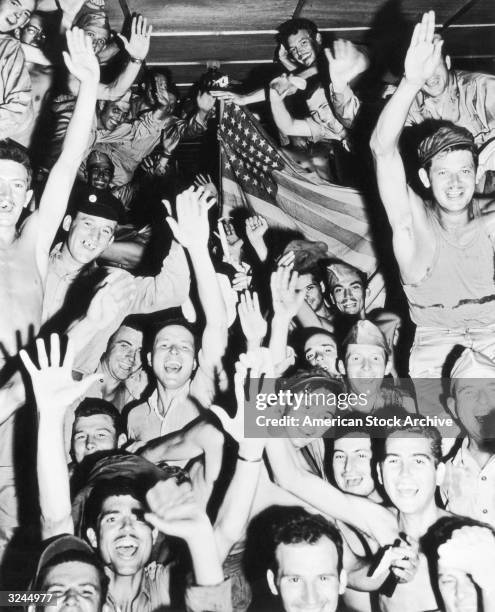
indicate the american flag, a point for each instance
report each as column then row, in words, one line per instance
column 256, row 173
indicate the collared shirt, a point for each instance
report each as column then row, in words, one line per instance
column 16, row 107
column 468, row 101
column 146, row 421
column 467, row 489
column 154, row 594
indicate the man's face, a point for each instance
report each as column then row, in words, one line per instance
column 312, row 290
column 452, row 178
column 320, row 351
column 99, row 37
column 123, row 356
column 15, row 14
column 173, row 357
column 458, row 591
column 114, row 114
column 348, row 293
column 409, row 473
column 91, row 434
column 474, row 400
column 32, row 33
column 307, row 577
column 321, row 405
column 89, row 236
column 14, row 193
column 76, row 586
column 351, row 464
column 302, row 48
column 100, row 175
column 437, row 83
column 158, row 93
column 124, row 538
column 365, row 367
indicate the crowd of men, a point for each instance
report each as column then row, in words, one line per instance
column 206, row 415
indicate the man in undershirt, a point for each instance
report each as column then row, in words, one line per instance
column 443, row 246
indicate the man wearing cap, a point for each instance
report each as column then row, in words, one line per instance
column 73, row 275
column 71, row 572
column 444, row 246
column 366, row 362
column 469, row 485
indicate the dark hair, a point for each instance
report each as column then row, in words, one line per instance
column 299, row 526
column 110, row 487
column 95, row 405
column 75, row 556
column 429, row 432
column 13, row 151
column 132, row 321
column 292, row 26
column 314, row 269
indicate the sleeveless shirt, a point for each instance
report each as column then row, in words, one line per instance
column 458, row 290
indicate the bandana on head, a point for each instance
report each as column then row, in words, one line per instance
column 444, row 138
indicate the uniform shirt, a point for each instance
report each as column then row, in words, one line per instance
column 16, row 108
column 154, row 594
column 467, row 489
column 468, row 101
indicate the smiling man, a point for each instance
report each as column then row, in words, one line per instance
column 469, row 485
column 444, row 245
column 186, row 371
column 307, row 566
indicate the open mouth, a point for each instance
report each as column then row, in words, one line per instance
column 126, row 548
column 89, row 246
column 11, row 20
column 6, row 207
column 407, row 492
column 173, row 367
column 352, row 482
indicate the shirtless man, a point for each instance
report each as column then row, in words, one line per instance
column 444, row 247
column 24, row 251
column 410, row 470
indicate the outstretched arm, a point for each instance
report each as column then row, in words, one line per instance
column 137, row 47
column 192, row 230
column 82, row 63
column 404, row 208
column 283, row 119
column 54, row 391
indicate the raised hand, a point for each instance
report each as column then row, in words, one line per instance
column 286, row 300
column 138, row 45
column 53, row 386
column 201, row 180
column 425, row 51
column 345, row 63
column 81, row 59
column 252, row 366
column 253, row 324
column 228, row 96
column 114, row 296
column 242, row 278
column 256, row 228
column 283, row 56
column 471, row 550
column 175, row 511
column 192, row 228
